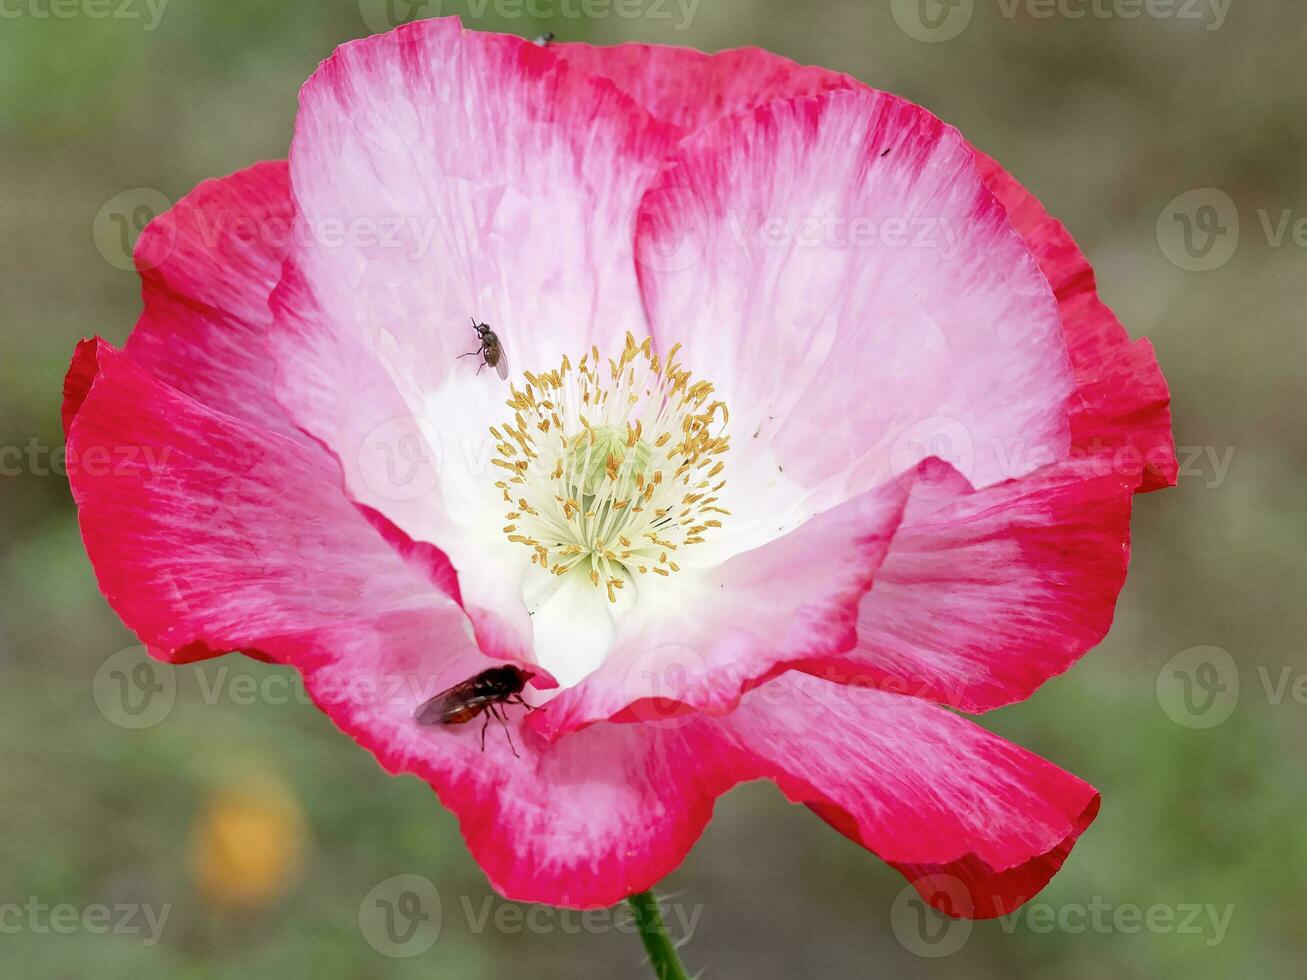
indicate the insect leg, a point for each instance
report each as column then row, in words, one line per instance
column 483, row 732
column 517, row 699
column 504, row 721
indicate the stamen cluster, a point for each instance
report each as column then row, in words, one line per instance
column 612, row 468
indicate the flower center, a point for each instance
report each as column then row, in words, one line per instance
column 613, row 468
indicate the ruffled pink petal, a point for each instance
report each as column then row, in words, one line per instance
column 212, row 262
column 858, row 295
column 1119, row 413
column 208, row 552
column 986, row 594
column 240, row 539
column 981, row 602
column 957, row 810
column 1123, row 405
column 703, row 638
column 611, row 810
column 508, row 182
column 209, row 534
column 690, row 88
column 581, row 823
column 444, row 175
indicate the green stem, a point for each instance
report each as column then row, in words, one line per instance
column 653, row 933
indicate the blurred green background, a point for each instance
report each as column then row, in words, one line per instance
column 262, row 829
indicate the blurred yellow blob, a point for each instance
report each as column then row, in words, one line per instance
column 248, row 845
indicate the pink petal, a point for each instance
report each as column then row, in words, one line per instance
column 213, row 261
column 209, row 534
column 932, row 794
column 987, row 594
column 608, row 811
column 720, row 631
column 1070, row 576
column 1122, row 405
column 508, row 185
column 509, row 181
column 845, row 350
column 690, row 88
column 581, row 823
column 1123, row 408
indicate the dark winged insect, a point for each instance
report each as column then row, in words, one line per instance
column 486, row 693
column 491, row 350
column 544, row 40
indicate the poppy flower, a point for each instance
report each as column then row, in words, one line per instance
column 814, row 435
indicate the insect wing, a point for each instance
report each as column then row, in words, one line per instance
column 433, row 710
column 501, row 365
column 452, row 707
